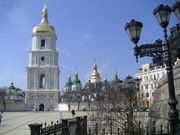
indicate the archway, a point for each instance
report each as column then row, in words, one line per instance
column 41, row 107
column 42, row 81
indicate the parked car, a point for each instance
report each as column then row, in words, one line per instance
column 143, row 109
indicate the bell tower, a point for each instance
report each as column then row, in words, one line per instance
column 43, row 71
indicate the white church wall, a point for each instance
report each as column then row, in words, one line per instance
column 13, row 106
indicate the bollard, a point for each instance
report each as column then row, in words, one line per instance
column 65, row 128
column 78, row 126
column 35, row 128
column 85, row 125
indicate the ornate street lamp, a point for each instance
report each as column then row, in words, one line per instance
column 176, row 9
column 162, row 14
column 134, row 30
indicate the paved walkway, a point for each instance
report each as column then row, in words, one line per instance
column 16, row 123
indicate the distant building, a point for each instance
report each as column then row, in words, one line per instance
column 94, row 87
column 12, row 99
column 76, row 86
column 95, row 76
column 75, row 92
column 68, row 85
column 14, row 94
column 149, row 76
column 43, row 71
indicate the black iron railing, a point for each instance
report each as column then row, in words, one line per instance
column 74, row 126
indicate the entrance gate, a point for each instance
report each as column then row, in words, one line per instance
column 41, row 107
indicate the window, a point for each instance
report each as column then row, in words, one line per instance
column 146, row 86
column 152, row 87
column 42, row 58
column 148, row 104
column 42, row 43
column 152, row 94
column 145, row 70
column 146, row 78
column 42, row 81
column 154, row 77
column 147, row 94
column 143, row 104
column 151, row 77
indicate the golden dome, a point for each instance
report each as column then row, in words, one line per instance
column 44, row 27
column 95, row 74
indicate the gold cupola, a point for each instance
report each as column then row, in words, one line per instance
column 95, row 75
column 44, row 27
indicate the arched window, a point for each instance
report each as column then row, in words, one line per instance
column 148, row 104
column 147, row 94
column 42, row 81
column 42, row 43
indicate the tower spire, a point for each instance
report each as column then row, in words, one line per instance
column 45, row 15
column 116, row 75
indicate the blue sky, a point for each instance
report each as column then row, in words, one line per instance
column 86, row 29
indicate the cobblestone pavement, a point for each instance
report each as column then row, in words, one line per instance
column 16, row 123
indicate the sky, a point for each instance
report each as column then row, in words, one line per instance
column 86, row 30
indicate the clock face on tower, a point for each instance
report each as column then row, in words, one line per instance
column 42, row 60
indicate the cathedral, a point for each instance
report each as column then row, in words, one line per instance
column 75, row 92
column 42, row 91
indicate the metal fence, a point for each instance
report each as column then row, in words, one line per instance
column 74, row 126
column 78, row 126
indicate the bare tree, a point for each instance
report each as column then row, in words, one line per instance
column 2, row 96
column 114, row 109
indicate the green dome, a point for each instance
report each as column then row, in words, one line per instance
column 76, row 79
column 69, row 82
column 12, row 86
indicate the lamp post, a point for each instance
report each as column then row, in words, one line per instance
column 162, row 14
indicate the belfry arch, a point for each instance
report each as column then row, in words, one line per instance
column 42, row 82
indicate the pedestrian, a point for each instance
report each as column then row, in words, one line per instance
column 0, row 117
column 73, row 112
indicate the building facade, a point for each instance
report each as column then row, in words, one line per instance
column 43, row 71
column 149, row 76
column 14, row 94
